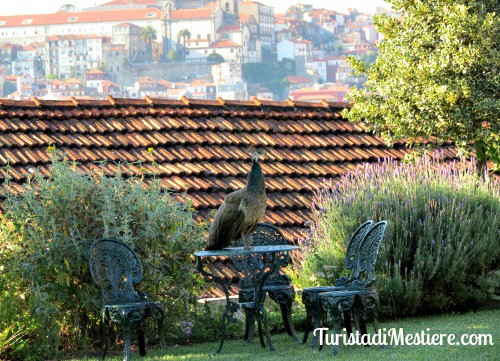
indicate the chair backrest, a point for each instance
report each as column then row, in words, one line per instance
column 267, row 234
column 115, row 267
column 352, row 253
column 368, row 255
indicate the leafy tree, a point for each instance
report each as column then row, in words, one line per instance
column 270, row 75
column 182, row 37
column 174, row 55
column 215, row 58
column 8, row 88
column 149, row 34
column 436, row 75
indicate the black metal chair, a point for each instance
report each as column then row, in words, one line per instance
column 311, row 295
column 361, row 296
column 115, row 267
column 278, row 285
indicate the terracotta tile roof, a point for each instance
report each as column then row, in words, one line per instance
column 81, row 17
column 294, row 79
column 129, row 2
column 228, row 28
column 224, row 44
column 191, row 13
column 200, row 147
column 244, row 17
column 95, row 71
column 300, row 41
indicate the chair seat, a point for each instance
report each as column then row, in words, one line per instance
column 131, row 304
column 268, row 287
column 321, row 289
column 347, row 293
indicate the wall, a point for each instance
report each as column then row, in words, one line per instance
column 130, row 73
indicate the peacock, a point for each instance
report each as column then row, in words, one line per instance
column 241, row 211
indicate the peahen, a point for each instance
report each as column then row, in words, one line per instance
column 238, row 216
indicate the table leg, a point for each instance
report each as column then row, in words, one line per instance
column 230, row 308
column 261, row 311
column 266, row 323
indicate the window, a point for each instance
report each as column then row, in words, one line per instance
column 151, row 15
column 27, row 21
column 73, row 18
column 2, row 22
column 198, row 36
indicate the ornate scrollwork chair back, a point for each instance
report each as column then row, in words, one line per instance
column 310, row 295
column 359, row 300
column 115, row 268
column 278, row 285
column 268, row 235
column 367, row 259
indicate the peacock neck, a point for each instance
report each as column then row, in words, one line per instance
column 255, row 182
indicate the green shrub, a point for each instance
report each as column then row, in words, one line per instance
column 48, row 296
column 442, row 239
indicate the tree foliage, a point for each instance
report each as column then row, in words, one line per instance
column 149, row 34
column 215, row 58
column 47, row 295
column 174, row 55
column 436, row 75
column 270, row 75
column 8, row 88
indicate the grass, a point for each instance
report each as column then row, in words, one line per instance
column 482, row 322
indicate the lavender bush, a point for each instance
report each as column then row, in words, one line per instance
column 441, row 249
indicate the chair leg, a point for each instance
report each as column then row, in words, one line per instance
column 140, row 339
column 308, row 325
column 261, row 336
column 105, row 334
column 126, row 342
column 348, row 322
column 285, row 297
column 158, row 314
column 286, row 313
column 249, row 324
column 337, row 306
column 317, row 318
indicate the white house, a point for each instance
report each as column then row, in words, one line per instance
column 25, row 29
column 72, row 55
column 295, row 48
column 318, row 66
column 371, row 35
column 200, row 89
column 95, row 79
column 229, row 81
column 229, row 50
column 200, row 24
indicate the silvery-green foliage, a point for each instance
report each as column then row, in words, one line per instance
column 45, row 235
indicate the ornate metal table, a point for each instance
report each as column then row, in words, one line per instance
column 255, row 262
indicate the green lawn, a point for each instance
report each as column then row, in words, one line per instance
column 483, row 322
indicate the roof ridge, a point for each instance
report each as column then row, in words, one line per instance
column 159, row 103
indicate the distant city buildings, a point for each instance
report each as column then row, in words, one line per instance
column 82, row 53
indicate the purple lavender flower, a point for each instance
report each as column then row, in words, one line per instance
column 186, row 327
